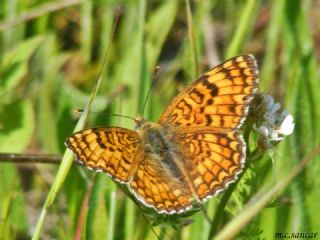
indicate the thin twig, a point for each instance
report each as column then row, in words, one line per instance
column 30, row 158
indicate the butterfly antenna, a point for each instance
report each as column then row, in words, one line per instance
column 108, row 114
column 155, row 71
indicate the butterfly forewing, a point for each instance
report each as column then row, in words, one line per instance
column 111, row 150
column 218, row 99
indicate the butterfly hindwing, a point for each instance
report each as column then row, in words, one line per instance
column 153, row 186
column 216, row 159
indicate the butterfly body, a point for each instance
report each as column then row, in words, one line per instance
column 158, row 144
column 192, row 153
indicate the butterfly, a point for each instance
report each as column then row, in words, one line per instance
column 192, row 153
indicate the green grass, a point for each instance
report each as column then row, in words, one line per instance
column 53, row 59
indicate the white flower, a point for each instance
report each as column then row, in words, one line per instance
column 275, row 124
column 287, row 126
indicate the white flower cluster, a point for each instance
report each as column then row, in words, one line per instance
column 275, row 124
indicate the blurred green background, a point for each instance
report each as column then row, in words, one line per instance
column 51, row 54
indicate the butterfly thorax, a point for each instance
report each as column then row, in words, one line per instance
column 159, row 146
column 155, row 138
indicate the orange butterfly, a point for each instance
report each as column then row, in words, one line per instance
column 193, row 152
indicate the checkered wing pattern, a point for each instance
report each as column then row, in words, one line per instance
column 110, row 150
column 153, row 186
column 213, row 160
column 218, row 99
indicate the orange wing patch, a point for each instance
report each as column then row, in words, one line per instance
column 152, row 185
column 218, row 99
column 111, row 150
column 217, row 159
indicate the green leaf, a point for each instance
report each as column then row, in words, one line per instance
column 15, row 65
column 12, row 206
column 16, row 130
column 16, row 126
